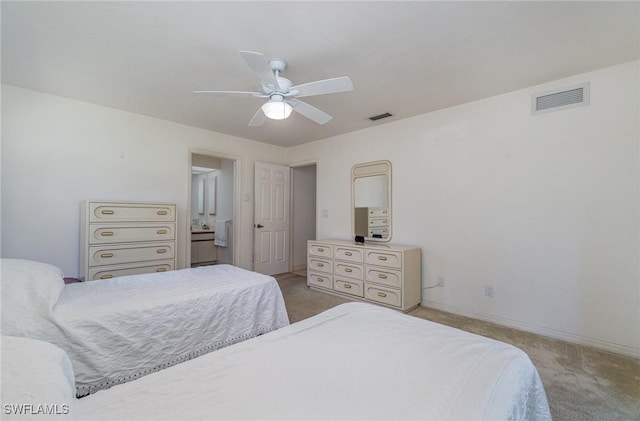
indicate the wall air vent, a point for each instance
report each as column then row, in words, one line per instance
column 380, row 116
column 560, row 99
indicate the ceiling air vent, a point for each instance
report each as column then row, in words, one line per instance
column 380, row 116
column 560, row 99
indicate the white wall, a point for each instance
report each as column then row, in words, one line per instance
column 225, row 192
column 57, row 152
column 544, row 208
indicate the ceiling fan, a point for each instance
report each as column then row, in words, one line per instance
column 283, row 97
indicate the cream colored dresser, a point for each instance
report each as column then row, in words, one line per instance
column 382, row 274
column 126, row 238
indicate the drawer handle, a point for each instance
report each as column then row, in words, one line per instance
column 162, row 212
column 106, row 233
column 161, row 251
column 348, row 253
column 106, row 255
column 348, row 270
column 161, row 231
column 106, row 276
column 320, row 279
column 347, row 286
column 320, row 265
column 382, row 294
column 382, row 276
column 107, row 212
column 161, row 270
column 320, row 250
column 382, row 258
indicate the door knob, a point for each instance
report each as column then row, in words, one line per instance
column 259, row 226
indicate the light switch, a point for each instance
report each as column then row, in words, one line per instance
column 325, row 213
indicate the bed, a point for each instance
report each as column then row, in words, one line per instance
column 120, row 329
column 355, row 361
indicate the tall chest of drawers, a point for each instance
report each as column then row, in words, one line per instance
column 381, row 274
column 126, row 238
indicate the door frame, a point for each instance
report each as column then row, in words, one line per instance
column 292, row 198
column 237, row 201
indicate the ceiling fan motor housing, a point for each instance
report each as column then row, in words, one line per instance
column 278, row 64
column 284, row 84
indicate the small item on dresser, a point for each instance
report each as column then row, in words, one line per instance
column 359, row 239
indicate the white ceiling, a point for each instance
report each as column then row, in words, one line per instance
column 406, row 58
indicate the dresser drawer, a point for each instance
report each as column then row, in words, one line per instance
column 389, row 277
column 321, row 250
column 320, row 265
column 130, row 212
column 123, row 233
column 382, row 232
column 349, row 270
column 377, row 212
column 378, row 222
column 350, row 254
column 349, row 286
column 108, row 272
column 127, row 253
column 392, row 259
column 320, row 280
column 383, row 295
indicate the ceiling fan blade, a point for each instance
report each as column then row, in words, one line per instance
column 262, row 69
column 309, row 111
column 231, row 93
column 258, row 118
column 321, row 87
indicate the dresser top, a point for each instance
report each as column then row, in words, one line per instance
column 369, row 245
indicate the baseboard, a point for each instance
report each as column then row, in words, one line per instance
column 299, row 267
column 539, row 330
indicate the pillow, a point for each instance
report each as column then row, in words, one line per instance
column 37, row 380
column 29, row 292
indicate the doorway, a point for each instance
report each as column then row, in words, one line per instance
column 303, row 214
column 212, row 209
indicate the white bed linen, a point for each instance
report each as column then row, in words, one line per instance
column 356, row 361
column 37, row 380
column 123, row 328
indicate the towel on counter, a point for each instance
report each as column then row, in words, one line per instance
column 220, row 236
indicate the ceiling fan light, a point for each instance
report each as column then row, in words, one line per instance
column 277, row 110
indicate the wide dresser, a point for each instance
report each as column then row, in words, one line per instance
column 389, row 275
column 126, row 238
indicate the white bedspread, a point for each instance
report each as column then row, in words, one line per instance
column 356, row 361
column 117, row 330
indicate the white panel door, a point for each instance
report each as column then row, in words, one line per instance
column 271, row 227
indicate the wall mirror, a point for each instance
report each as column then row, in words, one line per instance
column 371, row 200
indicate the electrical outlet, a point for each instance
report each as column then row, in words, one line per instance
column 488, row 291
column 441, row 281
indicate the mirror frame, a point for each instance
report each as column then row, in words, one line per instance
column 369, row 169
